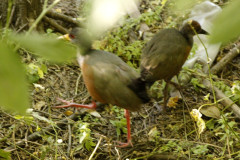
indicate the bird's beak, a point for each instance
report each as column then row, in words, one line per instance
column 203, row 32
column 66, row 37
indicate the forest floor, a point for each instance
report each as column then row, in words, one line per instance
column 172, row 134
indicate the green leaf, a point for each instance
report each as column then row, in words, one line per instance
column 5, row 155
column 227, row 24
column 185, row 4
column 13, row 86
column 34, row 73
column 50, row 48
column 200, row 149
column 44, row 68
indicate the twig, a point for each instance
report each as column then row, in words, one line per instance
column 12, row 13
column 224, row 61
column 22, row 27
column 95, row 149
column 55, row 25
column 63, row 18
column 167, row 139
column 77, row 83
column 228, row 147
column 69, row 140
column 117, row 152
column 9, row 13
column 27, row 153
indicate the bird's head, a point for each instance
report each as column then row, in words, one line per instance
column 79, row 37
column 192, row 28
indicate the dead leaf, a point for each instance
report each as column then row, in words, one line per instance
column 94, row 113
column 172, row 102
column 39, row 105
column 211, row 111
column 153, row 133
column 36, row 115
column 38, row 86
column 200, row 122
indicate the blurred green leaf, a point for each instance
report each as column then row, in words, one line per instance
column 13, row 86
column 185, row 4
column 5, row 155
column 227, row 24
column 47, row 47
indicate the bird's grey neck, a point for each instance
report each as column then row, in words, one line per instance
column 84, row 50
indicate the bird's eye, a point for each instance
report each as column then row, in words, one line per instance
column 71, row 36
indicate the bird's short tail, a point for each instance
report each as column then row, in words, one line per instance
column 146, row 77
column 140, row 88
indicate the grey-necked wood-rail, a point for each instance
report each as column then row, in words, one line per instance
column 108, row 79
column 165, row 54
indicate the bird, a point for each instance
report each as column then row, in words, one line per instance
column 109, row 80
column 165, row 54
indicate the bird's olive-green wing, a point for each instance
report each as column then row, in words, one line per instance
column 163, row 56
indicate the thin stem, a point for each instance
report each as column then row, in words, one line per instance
column 95, row 149
column 45, row 10
column 211, row 82
column 9, row 10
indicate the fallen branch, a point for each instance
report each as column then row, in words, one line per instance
column 225, row 100
column 55, row 25
column 63, row 17
column 224, row 61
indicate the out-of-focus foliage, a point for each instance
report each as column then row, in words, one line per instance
column 227, row 24
column 185, row 4
column 13, row 86
column 45, row 46
column 13, row 81
column 5, row 155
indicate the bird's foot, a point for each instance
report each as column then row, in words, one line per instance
column 123, row 145
column 71, row 104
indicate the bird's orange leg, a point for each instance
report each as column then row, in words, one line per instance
column 71, row 104
column 129, row 142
